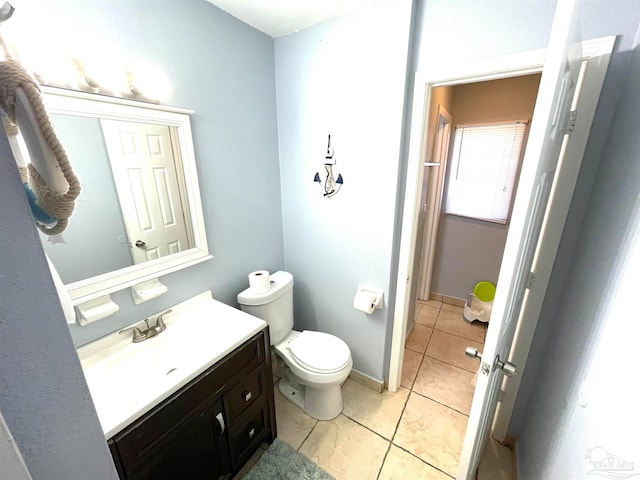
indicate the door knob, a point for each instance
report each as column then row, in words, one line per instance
column 508, row 368
column 472, row 352
column 140, row 244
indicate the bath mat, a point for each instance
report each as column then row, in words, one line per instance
column 282, row 462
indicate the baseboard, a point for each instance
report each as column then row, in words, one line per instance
column 458, row 302
column 367, row 381
column 509, row 441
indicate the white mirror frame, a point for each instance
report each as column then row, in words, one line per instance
column 81, row 104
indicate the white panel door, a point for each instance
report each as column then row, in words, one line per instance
column 144, row 170
column 547, row 134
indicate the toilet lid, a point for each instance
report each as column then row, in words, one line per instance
column 320, row 352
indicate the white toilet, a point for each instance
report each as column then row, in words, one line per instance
column 317, row 364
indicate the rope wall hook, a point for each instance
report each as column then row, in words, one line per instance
column 331, row 185
column 52, row 186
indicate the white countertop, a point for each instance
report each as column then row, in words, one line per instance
column 127, row 379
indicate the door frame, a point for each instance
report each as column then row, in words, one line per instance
column 455, row 74
column 433, row 202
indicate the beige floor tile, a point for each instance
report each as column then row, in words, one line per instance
column 427, row 316
column 450, row 348
column 497, row 462
column 453, row 308
column 432, row 432
column 400, row 465
column 453, row 322
column 410, row 367
column 292, row 423
column 419, row 338
column 432, row 303
column 345, row 449
column 378, row 411
column 417, row 311
column 446, row 384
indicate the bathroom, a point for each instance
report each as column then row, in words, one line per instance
column 261, row 206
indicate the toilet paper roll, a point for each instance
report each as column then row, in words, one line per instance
column 259, row 281
column 365, row 302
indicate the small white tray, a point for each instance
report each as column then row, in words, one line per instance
column 471, row 315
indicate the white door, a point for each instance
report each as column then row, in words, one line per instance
column 547, row 134
column 144, row 170
column 435, row 170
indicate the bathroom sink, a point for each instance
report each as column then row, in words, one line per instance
column 127, row 379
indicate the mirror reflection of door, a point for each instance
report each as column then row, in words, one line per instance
column 155, row 210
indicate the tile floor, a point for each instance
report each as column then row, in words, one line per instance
column 416, row 432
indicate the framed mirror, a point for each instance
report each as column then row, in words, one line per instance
column 139, row 215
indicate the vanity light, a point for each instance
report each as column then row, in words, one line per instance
column 149, row 80
column 146, row 82
column 100, row 76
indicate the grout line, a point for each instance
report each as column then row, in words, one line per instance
column 451, row 364
column 384, row 459
column 308, row 434
column 423, row 461
column 312, row 428
column 459, row 336
column 368, row 428
column 404, row 407
column 443, row 404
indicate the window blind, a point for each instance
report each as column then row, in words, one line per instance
column 484, row 167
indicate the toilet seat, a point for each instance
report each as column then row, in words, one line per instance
column 320, row 352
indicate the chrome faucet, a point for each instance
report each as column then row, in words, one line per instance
column 142, row 335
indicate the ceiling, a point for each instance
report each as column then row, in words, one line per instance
column 282, row 17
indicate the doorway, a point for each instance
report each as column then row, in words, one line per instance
column 455, row 252
column 597, row 54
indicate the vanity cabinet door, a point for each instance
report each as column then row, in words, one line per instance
column 196, row 450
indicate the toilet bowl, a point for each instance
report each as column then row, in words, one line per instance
column 316, row 366
column 316, row 363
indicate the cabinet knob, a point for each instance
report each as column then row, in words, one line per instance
column 247, row 396
column 220, row 420
column 252, row 432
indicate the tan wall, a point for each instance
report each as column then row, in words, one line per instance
column 494, row 101
column 471, row 250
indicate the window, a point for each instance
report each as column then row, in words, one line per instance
column 484, row 167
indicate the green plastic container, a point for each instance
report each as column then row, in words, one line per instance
column 485, row 291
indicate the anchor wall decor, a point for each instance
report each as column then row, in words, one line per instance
column 331, row 185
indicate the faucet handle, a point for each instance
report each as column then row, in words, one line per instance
column 138, row 335
column 160, row 322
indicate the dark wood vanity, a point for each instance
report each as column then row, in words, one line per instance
column 210, row 427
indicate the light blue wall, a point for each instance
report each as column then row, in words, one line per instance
column 224, row 70
column 345, row 78
column 44, row 398
column 590, row 395
column 97, row 224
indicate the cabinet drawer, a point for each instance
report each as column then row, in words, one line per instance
column 245, row 394
column 248, row 436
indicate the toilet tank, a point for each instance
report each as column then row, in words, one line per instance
column 274, row 307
